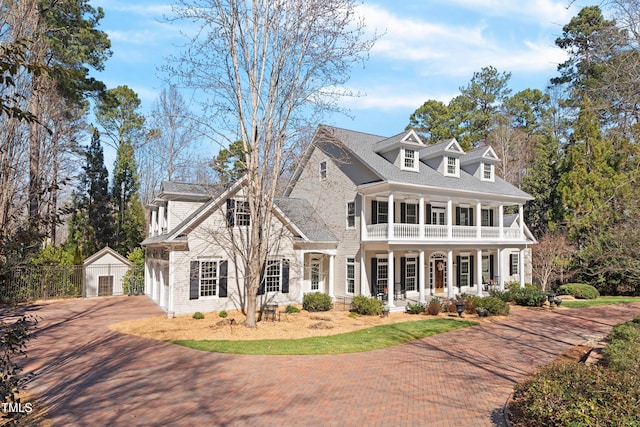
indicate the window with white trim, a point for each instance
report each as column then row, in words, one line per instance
column 383, row 212
column 383, row 275
column 487, row 171
column 514, row 264
column 410, row 213
column 411, row 273
column 351, row 214
column 452, row 167
column 464, row 271
column 323, row 170
column 208, row 278
column 409, row 159
column 351, row 275
column 243, row 217
column 273, row 275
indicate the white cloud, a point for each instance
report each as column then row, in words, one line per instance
column 543, row 12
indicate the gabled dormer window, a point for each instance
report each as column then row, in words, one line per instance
column 409, row 161
column 452, row 167
column 238, row 213
column 487, row 171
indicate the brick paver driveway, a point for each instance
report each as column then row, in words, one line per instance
column 90, row 376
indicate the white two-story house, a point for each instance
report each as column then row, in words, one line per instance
column 362, row 214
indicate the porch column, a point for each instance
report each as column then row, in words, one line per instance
column 364, row 286
column 331, row 274
column 421, row 275
column 391, row 279
column 449, row 273
column 171, row 274
column 162, row 303
column 521, row 220
column 479, row 272
column 154, row 223
column 363, row 220
column 501, row 220
column 521, row 267
column 147, row 279
column 499, row 269
column 302, row 271
column 478, row 220
column 154, row 286
column 449, row 219
column 391, row 217
column 161, row 223
column 421, row 218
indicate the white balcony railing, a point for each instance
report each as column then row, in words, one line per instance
column 439, row 232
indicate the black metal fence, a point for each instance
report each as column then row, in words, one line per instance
column 23, row 284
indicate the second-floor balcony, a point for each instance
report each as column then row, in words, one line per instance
column 417, row 232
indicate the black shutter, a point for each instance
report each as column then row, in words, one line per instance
column 458, row 270
column 374, row 212
column 285, row 276
column 428, row 218
column 490, row 217
column 261, row 286
column 231, row 217
column 194, row 289
column 457, row 215
column 471, row 216
column 472, row 270
column 403, row 213
column 403, row 273
column 374, row 276
column 491, row 259
column 222, row 283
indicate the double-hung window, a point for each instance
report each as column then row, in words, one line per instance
column 514, row 263
column 351, row 214
column 383, row 212
column 452, row 166
column 409, row 159
column 208, row 278
column 238, row 213
column 351, row 275
column 274, row 276
column 323, row 170
column 487, row 171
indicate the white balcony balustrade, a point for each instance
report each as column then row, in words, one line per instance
column 411, row 232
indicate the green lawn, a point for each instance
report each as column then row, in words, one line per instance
column 579, row 303
column 364, row 340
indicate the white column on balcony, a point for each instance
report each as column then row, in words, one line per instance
column 331, row 275
column 390, row 216
column 449, row 273
column 521, row 220
column 154, row 222
column 421, row 218
column 479, row 272
column 478, row 220
column 421, row 276
column 363, row 220
column 499, row 269
column 501, row 220
column 161, row 223
column 521, row 267
column 449, row 219
column 391, row 279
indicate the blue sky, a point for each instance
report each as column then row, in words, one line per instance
column 430, row 48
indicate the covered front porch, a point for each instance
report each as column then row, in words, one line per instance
column 398, row 274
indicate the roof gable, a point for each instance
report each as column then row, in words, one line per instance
column 485, row 154
column 104, row 252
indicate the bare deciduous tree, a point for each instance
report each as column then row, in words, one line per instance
column 265, row 67
column 550, row 257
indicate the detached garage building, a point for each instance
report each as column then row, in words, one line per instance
column 104, row 272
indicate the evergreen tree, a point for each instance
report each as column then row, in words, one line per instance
column 129, row 212
column 92, row 224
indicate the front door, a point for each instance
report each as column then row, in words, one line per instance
column 438, row 275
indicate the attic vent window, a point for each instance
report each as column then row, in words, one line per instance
column 323, row 170
column 452, row 166
column 409, row 159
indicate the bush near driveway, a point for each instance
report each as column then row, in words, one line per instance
column 579, row 291
column 573, row 394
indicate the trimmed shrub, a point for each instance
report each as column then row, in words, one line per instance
column 197, row 315
column 317, row 301
column 223, row 314
column 292, row 309
column 435, row 306
column 366, row 306
column 528, row 296
column 415, row 308
column 505, row 296
column 579, row 291
column 622, row 353
column 493, row 306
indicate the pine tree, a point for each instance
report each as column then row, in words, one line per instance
column 129, row 211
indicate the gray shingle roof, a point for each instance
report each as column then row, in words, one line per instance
column 475, row 155
column 306, row 219
column 361, row 145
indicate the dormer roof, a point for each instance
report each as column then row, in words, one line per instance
column 448, row 147
column 484, row 154
column 405, row 139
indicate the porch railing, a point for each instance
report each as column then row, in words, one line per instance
column 439, row 232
